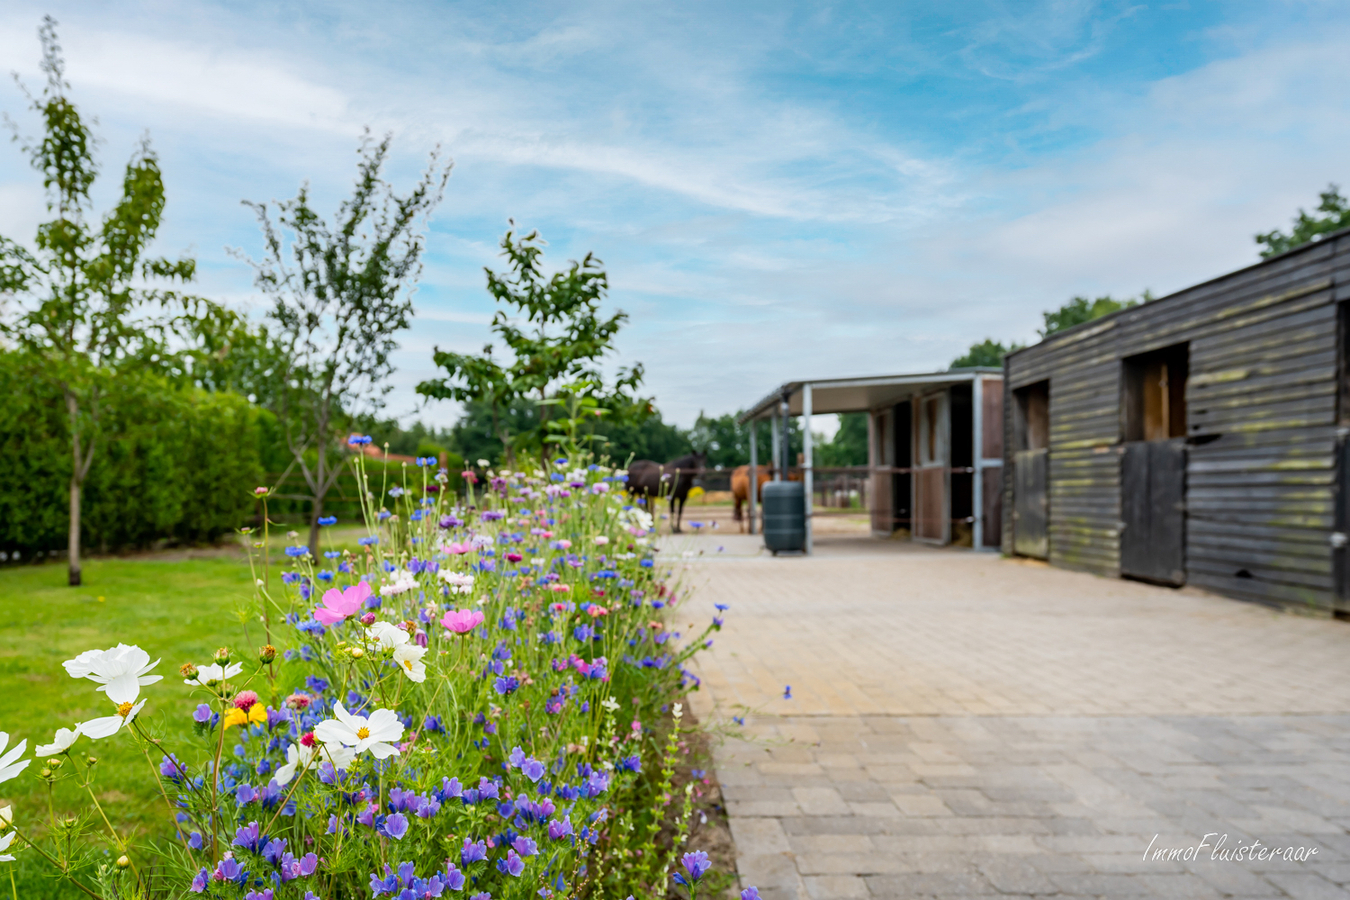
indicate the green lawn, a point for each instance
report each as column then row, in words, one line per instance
column 179, row 611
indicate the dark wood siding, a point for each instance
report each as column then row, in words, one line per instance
column 1261, row 402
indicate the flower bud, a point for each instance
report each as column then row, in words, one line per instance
column 259, row 491
column 55, row 762
column 45, row 773
column 358, row 653
column 368, row 619
column 188, row 671
column 92, row 760
column 267, row 654
column 70, row 822
column 123, row 862
column 222, row 655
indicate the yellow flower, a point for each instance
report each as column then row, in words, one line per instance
column 257, row 714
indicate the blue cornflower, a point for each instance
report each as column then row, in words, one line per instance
column 297, row 551
column 506, row 685
column 721, row 607
column 787, row 692
column 367, row 541
column 327, row 520
column 332, row 554
column 750, row 893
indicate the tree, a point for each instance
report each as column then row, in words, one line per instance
column 1332, row 214
column 989, row 352
column 557, row 338
column 86, row 304
column 848, row 447
column 1081, row 309
column 339, row 294
column 727, row 442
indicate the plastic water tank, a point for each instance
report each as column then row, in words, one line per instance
column 784, row 516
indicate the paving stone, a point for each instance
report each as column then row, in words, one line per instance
column 947, row 740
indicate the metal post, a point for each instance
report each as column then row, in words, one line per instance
column 777, row 450
column 808, row 484
column 785, row 416
column 977, row 457
column 754, row 474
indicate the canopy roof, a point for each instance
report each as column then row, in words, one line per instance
column 845, row 395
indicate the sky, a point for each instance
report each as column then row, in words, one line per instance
column 778, row 191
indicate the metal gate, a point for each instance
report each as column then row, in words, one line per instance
column 1153, row 511
column 1031, row 503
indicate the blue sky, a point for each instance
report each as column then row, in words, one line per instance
column 778, row 191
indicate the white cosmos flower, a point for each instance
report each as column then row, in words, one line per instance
column 4, row 845
column 110, row 725
column 213, row 673
column 376, row 733
column 459, row 582
column 299, row 757
column 387, row 635
column 65, row 737
column 408, row 657
column 8, row 767
column 121, row 671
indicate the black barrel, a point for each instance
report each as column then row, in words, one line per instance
column 784, row 516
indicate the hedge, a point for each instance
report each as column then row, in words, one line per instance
column 170, row 465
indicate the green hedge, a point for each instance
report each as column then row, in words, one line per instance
column 171, row 466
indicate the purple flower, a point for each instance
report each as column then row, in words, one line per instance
column 195, row 840
column 229, row 870
column 244, row 794
column 525, row 846
column 630, row 764
column 750, row 893
column 248, row 837
column 696, row 864
column 396, row 826
column 202, row 714
column 558, row 830
column 513, row 865
column 506, row 685
column 200, row 882
column 483, row 896
column 474, row 851
column 255, row 895
column 517, row 758
column 273, row 850
column 454, row 878
column 533, row 769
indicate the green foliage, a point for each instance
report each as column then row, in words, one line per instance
column 1081, row 309
column 1332, row 214
column 727, row 443
column 988, row 352
column 91, row 303
column 340, row 292
column 175, row 472
column 848, row 447
column 552, row 327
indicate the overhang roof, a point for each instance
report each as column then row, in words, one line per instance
column 845, row 395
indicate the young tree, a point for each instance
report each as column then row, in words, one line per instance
column 557, row 338
column 340, row 293
column 84, row 310
column 1081, row 309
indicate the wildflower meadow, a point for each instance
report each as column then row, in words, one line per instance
column 483, row 698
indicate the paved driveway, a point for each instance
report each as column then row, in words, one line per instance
column 965, row 725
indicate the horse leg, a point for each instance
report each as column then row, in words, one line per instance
column 674, row 516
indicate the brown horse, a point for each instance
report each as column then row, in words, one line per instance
column 740, row 488
column 675, row 479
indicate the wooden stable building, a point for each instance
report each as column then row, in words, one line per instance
column 1197, row 439
column 935, row 449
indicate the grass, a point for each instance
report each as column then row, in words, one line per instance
column 180, row 610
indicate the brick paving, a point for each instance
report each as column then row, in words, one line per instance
column 962, row 725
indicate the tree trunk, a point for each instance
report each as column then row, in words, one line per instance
column 314, row 528
column 75, row 523
column 76, row 480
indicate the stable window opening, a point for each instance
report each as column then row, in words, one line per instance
column 1154, row 407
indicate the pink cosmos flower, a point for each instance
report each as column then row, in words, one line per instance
column 455, row 548
column 561, row 588
column 462, row 621
column 514, row 557
column 596, row 609
column 338, row 605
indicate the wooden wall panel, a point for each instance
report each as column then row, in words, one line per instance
column 1261, row 414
